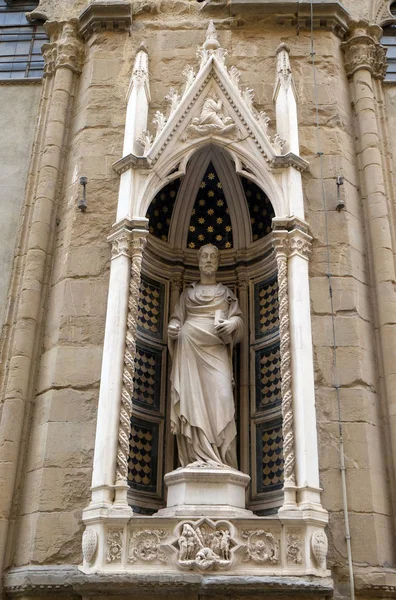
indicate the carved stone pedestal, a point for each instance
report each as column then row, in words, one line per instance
column 196, row 491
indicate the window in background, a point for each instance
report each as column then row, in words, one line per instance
column 20, row 42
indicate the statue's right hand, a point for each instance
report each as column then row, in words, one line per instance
column 173, row 331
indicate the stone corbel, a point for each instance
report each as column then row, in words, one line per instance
column 105, row 16
column 65, row 49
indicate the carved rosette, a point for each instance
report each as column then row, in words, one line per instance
column 89, row 545
column 145, row 546
column 294, row 547
column 281, row 244
column 363, row 51
column 65, row 48
column 261, row 547
column 319, row 547
column 114, row 545
column 137, row 246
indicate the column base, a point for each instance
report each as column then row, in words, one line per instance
column 195, row 491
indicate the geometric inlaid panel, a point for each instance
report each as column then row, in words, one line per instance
column 268, row 378
column 266, row 307
column 160, row 210
column 260, row 209
column 210, row 221
column 143, row 455
column 269, row 456
column 150, row 313
column 147, row 378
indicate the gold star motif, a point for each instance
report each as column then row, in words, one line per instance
column 191, row 245
column 203, row 184
column 151, row 229
column 201, row 220
column 159, row 225
column 219, row 238
column 163, row 237
column 211, row 176
column 219, row 220
column 227, row 211
column 193, row 212
column 211, row 194
column 252, row 221
column 163, row 196
column 210, row 229
column 210, row 212
column 172, row 194
column 248, row 193
column 228, row 228
column 260, row 226
column 228, row 244
column 255, row 208
column 167, row 221
column 201, row 237
column 202, row 202
column 219, row 186
column 165, row 209
column 219, row 202
column 258, row 196
column 192, row 228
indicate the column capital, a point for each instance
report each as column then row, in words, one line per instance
column 65, row 48
column 128, row 238
column 291, row 242
column 362, row 50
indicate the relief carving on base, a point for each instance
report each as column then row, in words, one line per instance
column 319, row 547
column 145, row 546
column 89, row 545
column 261, row 547
column 114, row 545
column 205, row 545
column 294, row 547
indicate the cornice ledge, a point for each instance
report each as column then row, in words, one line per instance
column 102, row 15
column 130, row 161
column 289, row 160
column 62, row 579
column 329, row 15
column 376, row 582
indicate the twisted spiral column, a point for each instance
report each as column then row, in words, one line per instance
column 137, row 246
column 282, row 247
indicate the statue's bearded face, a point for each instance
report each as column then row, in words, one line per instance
column 208, row 260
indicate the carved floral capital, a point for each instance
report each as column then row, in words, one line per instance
column 363, row 50
column 65, row 48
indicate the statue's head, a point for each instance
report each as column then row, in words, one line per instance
column 208, row 259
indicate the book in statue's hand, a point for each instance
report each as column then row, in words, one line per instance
column 218, row 319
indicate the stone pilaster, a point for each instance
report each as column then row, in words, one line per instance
column 63, row 57
column 365, row 62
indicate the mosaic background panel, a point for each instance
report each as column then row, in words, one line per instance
column 268, row 378
column 147, row 380
column 151, row 302
column 266, row 307
column 260, row 209
column 269, row 456
column 210, row 221
column 143, row 455
column 161, row 208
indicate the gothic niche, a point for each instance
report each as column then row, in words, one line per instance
column 211, row 204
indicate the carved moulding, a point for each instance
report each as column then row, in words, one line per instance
column 99, row 16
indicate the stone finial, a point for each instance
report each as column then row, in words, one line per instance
column 283, row 67
column 362, row 50
column 212, row 38
column 140, row 68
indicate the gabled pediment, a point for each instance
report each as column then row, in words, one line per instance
column 213, row 106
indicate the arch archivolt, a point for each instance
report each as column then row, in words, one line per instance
column 380, row 13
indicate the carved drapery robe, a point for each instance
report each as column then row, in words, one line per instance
column 202, row 402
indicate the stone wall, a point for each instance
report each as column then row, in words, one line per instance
column 18, row 116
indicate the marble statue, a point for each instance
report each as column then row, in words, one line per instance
column 203, row 329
